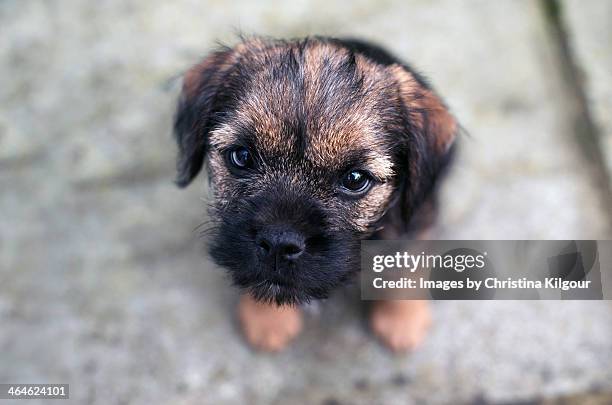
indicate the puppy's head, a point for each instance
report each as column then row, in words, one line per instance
column 309, row 145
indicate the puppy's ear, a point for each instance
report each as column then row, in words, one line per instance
column 195, row 110
column 429, row 137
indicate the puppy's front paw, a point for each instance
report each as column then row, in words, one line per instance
column 266, row 326
column 401, row 325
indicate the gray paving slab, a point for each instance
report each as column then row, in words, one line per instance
column 589, row 34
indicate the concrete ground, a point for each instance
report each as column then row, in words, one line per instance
column 104, row 284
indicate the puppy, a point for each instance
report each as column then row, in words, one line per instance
column 311, row 145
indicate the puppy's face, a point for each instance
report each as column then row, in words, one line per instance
column 308, row 145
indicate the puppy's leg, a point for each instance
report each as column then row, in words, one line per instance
column 266, row 326
column 401, row 325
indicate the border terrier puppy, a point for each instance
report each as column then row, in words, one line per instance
column 311, row 146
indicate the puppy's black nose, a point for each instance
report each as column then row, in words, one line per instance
column 280, row 241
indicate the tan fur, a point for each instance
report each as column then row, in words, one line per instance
column 357, row 129
column 401, row 325
column 267, row 326
column 441, row 125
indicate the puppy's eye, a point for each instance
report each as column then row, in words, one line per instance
column 240, row 158
column 356, row 182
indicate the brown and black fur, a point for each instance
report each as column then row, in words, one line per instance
column 309, row 111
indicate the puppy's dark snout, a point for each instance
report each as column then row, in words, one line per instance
column 280, row 241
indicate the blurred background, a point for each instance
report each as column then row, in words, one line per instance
column 105, row 285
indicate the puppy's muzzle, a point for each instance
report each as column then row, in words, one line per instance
column 280, row 243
